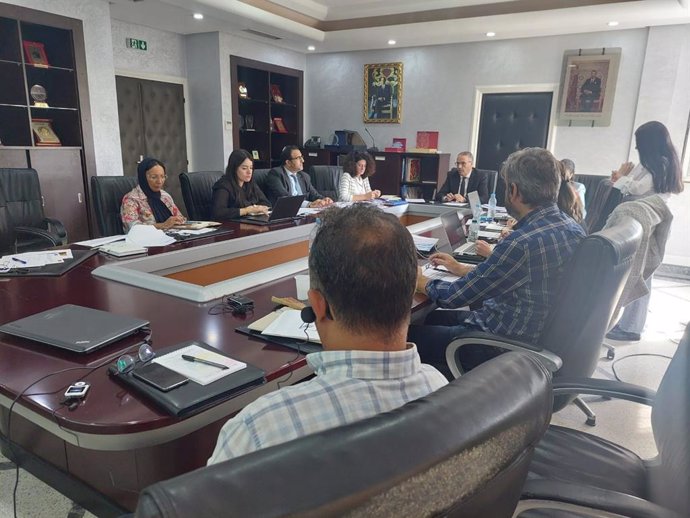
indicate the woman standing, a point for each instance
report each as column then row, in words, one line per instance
column 354, row 184
column 235, row 194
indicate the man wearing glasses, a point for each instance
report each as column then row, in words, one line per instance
column 290, row 180
column 462, row 179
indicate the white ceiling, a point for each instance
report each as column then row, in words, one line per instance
column 235, row 16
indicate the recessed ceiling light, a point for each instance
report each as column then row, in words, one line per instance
column 311, row 47
column 612, row 23
column 391, row 42
column 490, row 34
column 198, row 16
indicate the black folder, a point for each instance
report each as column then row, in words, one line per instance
column 52, row 270
column 300, row 346
column 192, row 398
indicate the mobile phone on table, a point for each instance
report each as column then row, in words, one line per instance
column 160, row 377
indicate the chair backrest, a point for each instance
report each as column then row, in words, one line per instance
column 197, row 193
column 602, row 203
column 492, row 180
column 6, row 228
column 21, row 190
column 590, row 287
column 259, row 176
column 461, row 451
column 670, row 483
column 590, row 181
column 108, row 192
column 326, row 179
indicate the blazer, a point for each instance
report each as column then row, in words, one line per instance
column 278, row 185
column 226, row 206
column 479, row 181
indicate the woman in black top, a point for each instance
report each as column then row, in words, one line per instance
column 235, row 194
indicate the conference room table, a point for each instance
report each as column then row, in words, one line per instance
column 115, row 442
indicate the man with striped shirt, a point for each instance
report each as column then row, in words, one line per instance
column 363, row 269
column 518, row 282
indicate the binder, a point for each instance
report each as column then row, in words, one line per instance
column 297, row 345
column 191, row 398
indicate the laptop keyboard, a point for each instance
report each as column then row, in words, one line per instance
column 466, row 249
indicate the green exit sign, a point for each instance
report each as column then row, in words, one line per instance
column 133, row 43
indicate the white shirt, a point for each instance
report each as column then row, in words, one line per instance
column 350, row 186
column 638, row 183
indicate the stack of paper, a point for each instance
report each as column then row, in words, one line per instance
column 148, row 235
column 424, row 244
column 95, row 243
column 33, row 259
column 197, row 371
column 289, row 324
column 439, row 273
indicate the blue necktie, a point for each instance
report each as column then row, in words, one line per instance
column 296, row 189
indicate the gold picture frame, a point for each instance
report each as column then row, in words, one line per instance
column 44, row 135
column 383, row 90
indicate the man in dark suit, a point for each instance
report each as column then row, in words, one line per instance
column 289, row 180
column 462, row 179
column 590, row 92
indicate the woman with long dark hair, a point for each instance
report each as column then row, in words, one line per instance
column 235, row 194
column 568, row 200
column 148, row 203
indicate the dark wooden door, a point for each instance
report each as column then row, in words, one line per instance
column 509, row 122
column 152, row 124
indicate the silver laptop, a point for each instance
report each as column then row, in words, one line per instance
column 74, row 328
column 475, row 204
column 458, row 246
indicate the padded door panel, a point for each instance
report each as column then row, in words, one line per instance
column 131, row 123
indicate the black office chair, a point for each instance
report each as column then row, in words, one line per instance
column 20, row 191
column 580, row 317
column 197, row 193
column 578, row 472
column 326, row 179
column 108, row 192
column 259, row 176
column 461, row 451
column 603, row 201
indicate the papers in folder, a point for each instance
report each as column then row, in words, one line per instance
column 289, row 324
column 198, row 372
column 33, row 259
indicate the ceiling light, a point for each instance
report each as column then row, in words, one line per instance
column 490, row 34
column 391, row 42
column 311, row 47
column 612, row 23
column 198, row 16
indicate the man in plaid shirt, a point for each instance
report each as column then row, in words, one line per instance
column 363, row 269
column 518, row 282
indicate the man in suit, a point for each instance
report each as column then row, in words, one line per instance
column 289, row 180
column 462, row 179
column 590, row 92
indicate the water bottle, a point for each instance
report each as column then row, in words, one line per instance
column 492, row 207
column 478, row 210
column 474, row 231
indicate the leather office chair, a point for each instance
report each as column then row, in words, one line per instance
column 20, row 190
column 582, row 473
column 326, row 179
column 460, row 451
column 197, row 193
column 602, row 203
column 589, row 291
column 108, row 192
column 259, row 177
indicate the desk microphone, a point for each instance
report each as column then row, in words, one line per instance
column 373, row 142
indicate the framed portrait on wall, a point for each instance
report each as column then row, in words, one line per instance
column 588, row 85
column 383, row 88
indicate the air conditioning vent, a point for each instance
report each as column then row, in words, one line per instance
column 262, row 34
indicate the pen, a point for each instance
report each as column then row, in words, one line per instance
column 205, row 362
column 21, row 261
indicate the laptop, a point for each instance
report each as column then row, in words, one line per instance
column 475, row 205
column 285, row 209
column 457, row 245
column 74, row 328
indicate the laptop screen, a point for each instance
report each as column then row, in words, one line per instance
column 452, row 225
column 475, row 204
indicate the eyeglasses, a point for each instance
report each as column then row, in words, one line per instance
column 157, row 178
column 297, row 158
column 126, row 362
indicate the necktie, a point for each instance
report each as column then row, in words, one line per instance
column 463, row 186
column 296, row 189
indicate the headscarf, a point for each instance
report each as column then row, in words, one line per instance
column 160, row 211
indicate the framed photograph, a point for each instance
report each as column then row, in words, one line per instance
column 588, row 85
column 35, row 53
column 276, row 95
column 279, row 125
column 383, row 88
column 255, row 154
column 44, row 135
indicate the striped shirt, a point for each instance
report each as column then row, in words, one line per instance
column 349, row 386
column 518, row 282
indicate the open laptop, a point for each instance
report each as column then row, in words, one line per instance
column 285, row 209
column 458, row 246
column 74, row 328
column 475, row 204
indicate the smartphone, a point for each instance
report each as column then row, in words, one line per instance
column 160, row 377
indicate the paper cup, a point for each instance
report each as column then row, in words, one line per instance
column 302, row 283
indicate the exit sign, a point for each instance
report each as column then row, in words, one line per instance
column 133, row 43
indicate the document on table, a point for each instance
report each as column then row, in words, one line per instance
column 289, row 324
column 416, row 200
column 95, row 243
column 438, row 273
column 424, row 244
column 196, row 371
column 456, row 204
column 34, row 259
column 147, row 235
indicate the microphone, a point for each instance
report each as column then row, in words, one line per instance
column 373, row 142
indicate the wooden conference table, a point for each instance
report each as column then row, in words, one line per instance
column 115, row 443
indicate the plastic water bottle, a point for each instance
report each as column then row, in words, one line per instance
column 478, row 210
column 474, row 231
column 492, row 207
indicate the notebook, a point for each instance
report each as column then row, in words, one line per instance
column 285, row 209
column 458, row 245
column 75, row 328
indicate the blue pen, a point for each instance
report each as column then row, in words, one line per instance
column 20, row 261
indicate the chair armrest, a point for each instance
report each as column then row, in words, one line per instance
column 549, row 359
column 57, row 228
column 45, row 234
column 608, row 388
column 587, row 500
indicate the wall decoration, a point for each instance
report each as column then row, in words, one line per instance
column 44, row 135
column 383, row 89
column 35, row 53
column 588, row 85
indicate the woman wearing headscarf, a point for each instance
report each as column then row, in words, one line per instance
column 148, row 203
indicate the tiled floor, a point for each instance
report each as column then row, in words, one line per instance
column 626, row 423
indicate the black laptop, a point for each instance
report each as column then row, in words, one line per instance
column 457, row 245
column 74, row 328
column 285, row 209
